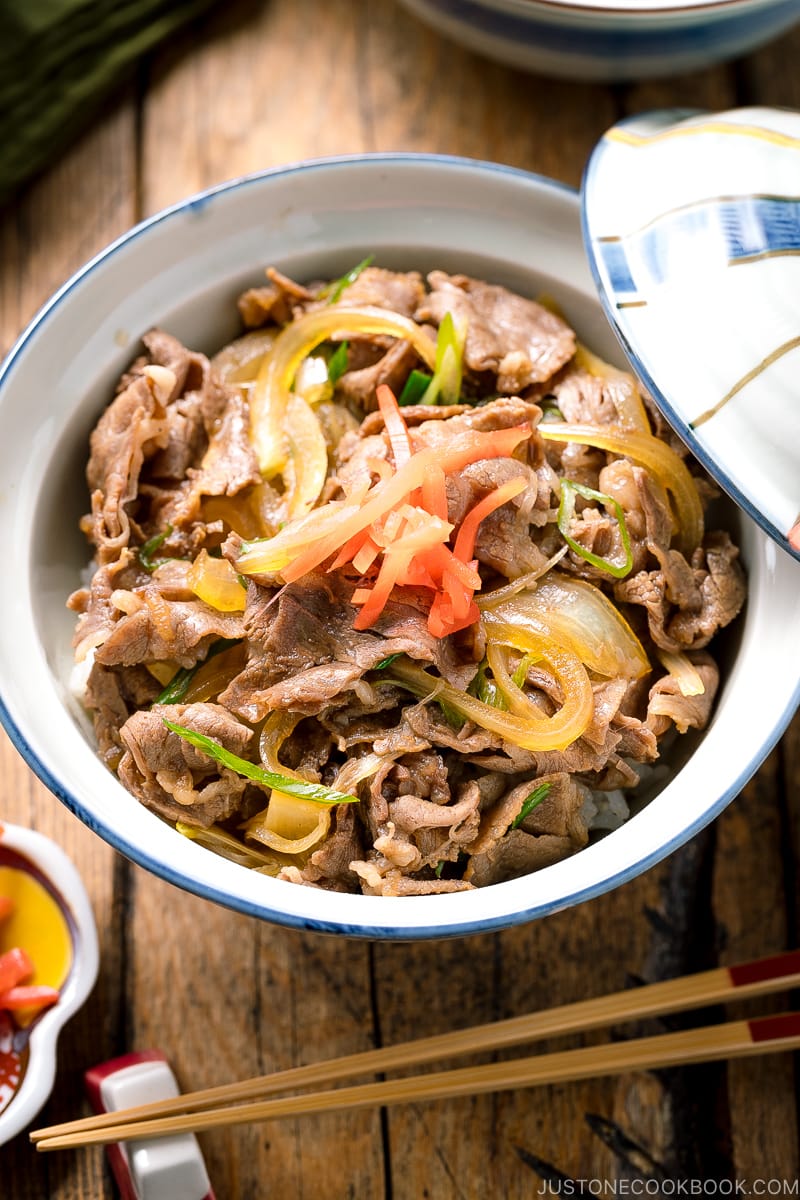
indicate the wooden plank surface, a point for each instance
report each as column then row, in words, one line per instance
column 225, row 996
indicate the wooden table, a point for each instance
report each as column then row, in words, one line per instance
column 226, row 996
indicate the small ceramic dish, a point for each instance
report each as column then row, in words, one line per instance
column 54, row 923
column 183, row 270
column 609, row 39
column 692, row 224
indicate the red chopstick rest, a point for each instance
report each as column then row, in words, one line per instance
column 149, row 1168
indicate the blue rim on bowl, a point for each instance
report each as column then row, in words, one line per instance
column 534, row 230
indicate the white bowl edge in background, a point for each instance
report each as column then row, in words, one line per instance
column 608, row 40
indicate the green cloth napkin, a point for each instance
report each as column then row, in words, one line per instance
column 59, row 61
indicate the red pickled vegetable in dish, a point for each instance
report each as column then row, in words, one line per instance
column 28, row 997
column 12, row 1063
column 15, row 967
column 17, row 970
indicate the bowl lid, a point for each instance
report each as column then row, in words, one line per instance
column 692, row 226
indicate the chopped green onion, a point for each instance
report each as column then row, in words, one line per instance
column 178, row 686
column 387, row 662
column 149, row 548
column 550, row 409
column 437, row 870
column 566, row 511
column 486, row 689
column 530, row 803
column 415, row 388
column 451, row 714
column 299, row 788
column 524, row 665
column 334, row 290
column 338, row 363
column 446, row 382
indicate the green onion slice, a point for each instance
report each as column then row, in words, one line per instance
column 486, row 689
column 550, row 409
column 334, row 290
column 566, row 511
column 524, row 665
column 446, row 383
column 530, row 803
column 146, row 551
column 178, row 686
column 415, row 388
column 387, row 662
column 300, row 788
column 338, row 363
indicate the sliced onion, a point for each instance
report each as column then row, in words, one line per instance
column 225, row 844
column 239, row 362
column 357, row 769
column 289, row 825
column 512, row 693
column 531, row 732
column 215, row 582
column 490, row 599
column 214, row 675
column 295, row 342
column 669, row 470
column 686, row 674
column 307, row 466
column 577, row 615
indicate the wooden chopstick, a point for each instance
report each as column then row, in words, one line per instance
column 745, row 980
column 736, row 1039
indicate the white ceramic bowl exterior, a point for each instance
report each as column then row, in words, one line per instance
column 693, row 227
column 183, row 270
column 609, row 39
column 37, row 1082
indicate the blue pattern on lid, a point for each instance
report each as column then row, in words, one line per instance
column 739, row 229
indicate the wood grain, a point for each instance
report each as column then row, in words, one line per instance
column 251, row 86
column 87, row 199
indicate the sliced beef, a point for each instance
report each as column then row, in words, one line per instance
column 98, row 615
column 229, row 463
column 415, row 414
column 583, row 398
column 304, row 652
column 667, row 705
column 400, row 291
column 274, row 301
column 687, row 603
column 381, row 878
column 358, row 387
column 112, row 695
column 503, row 413
column 132, row 427
column 173, row 778
column 555, row 828
column 516, row 340
column 329, row 866
column 157, row 630
column 355, row 461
